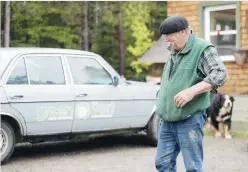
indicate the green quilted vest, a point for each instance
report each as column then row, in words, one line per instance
column 183, row 75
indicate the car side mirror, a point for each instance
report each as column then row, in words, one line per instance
column 115, row 80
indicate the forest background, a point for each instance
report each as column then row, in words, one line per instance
column 120, row 31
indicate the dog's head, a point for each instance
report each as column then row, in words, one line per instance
column 226, row 104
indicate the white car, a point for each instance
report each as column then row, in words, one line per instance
column 59, row 94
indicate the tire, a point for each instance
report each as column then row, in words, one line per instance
column 152, row 129
column 7, row 141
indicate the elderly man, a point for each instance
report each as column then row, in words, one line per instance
column 192, row 71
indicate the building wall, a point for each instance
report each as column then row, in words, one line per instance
column 244, row 28
column 238, row 76
column 187, row 9
column 238, row 79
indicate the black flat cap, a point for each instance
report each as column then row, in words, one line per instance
column 173, row 24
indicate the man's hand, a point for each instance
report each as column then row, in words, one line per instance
column 183, row 97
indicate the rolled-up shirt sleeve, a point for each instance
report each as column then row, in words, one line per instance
column 213, row 68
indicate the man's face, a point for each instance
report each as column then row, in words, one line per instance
column 174, row 40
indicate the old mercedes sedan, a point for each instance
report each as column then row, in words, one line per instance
column 49, row 94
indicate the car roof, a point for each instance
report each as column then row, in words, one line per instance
column 7, row 54
column 16, row 51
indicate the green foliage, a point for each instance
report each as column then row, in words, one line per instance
column 40, row 24
column 60, row 24
column 142, row 36
column 138, row 27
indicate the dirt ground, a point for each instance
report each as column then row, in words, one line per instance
column 120, row 154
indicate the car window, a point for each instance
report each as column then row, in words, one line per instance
column 45, row 70
column 88, row 71
column 19, row 74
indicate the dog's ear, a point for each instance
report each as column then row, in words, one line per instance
column 232, row 98
column 221, row 98
column 218, row 100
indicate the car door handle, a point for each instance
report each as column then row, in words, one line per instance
column 16, row 96
column 82, row 95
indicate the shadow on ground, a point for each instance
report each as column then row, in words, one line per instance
column 67, row 148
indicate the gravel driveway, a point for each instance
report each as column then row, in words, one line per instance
column 120, row 154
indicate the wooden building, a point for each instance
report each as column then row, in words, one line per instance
column 225, row 24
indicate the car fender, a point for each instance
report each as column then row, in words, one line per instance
column 151, row 114
column 153, row 111
column 17, row 116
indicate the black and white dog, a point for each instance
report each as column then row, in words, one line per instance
column 219, row 113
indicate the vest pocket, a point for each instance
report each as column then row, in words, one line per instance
column 186, row 66
column 161, row 104
column 182, row 73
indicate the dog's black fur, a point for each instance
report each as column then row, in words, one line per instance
column 220, row 111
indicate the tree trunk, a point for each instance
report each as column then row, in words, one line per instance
column 96, row 16
column 121, row 43
column 1, row 24
column 7, row 24
column 86, row 28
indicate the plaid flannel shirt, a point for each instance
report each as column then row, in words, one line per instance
column 210, row 67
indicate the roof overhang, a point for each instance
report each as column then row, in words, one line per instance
column 158, row 53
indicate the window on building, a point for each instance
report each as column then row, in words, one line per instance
column 220, row 29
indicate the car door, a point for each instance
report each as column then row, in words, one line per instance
column 37, row 88
column 99, row 104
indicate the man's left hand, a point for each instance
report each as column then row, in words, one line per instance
column 183, row 97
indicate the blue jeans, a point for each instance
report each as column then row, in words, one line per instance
column 185, row 136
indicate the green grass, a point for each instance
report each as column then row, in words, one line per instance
column 240, row 134
column 237, row 134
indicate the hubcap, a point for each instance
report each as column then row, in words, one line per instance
column 3, row 142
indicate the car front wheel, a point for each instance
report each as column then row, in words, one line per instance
column 152, row 129
column 7, row 141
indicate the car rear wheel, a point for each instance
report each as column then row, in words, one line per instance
column 7, row 141
column 152, row 129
